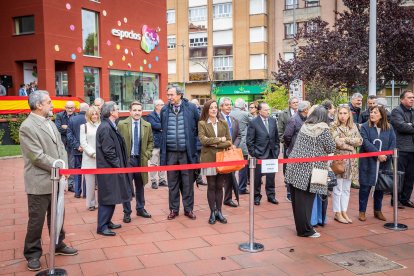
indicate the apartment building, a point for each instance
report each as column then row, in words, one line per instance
column 220, row 47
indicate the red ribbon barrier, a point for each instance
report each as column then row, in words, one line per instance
column 216, row 164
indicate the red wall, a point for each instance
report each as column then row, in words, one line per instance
column 53, row 20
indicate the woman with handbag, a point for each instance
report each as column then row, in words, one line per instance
column 347, row 139
column 87, row 140
column 309, row 178
column 214, row 135
column 377, row 127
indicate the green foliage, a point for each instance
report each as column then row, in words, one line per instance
column 316, row 92
column 10, row 150
column 1, row 135
column 276, row 96
column 14, row 126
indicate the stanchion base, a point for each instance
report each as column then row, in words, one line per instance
column 257, row 247
column 56, row 272
column 398, row 227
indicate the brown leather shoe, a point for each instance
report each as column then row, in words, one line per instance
column 379, row 215
column 190, row 215
column 172, row 215
column 361, row 216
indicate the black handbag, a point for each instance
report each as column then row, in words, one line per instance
column 385, row 181
column 332, row 181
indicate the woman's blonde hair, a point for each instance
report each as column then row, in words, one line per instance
column 350, row 122
column 92, row 110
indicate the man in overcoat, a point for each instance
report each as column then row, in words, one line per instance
column 110, row 153
column 41, row 146
column 139, row 142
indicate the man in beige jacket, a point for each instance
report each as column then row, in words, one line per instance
column 41, row 145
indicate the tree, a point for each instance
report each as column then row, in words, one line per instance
column 317, row 92
column 276, row 96
column 338, row 56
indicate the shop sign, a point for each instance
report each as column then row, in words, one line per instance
column 149, row 37
column 126, row 34
column 240, row 89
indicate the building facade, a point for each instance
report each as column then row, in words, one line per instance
column 220, row 48
column 116, row 50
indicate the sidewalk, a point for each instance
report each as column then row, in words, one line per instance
column 157, row 246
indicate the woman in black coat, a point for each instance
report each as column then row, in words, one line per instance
column 377, row 127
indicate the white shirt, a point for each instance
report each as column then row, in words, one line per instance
column 214, row 125
column 292, row 112
column 132, row 133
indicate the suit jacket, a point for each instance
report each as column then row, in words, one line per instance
column 282, row 121
column 243, row 119
column 147, row 141
column 235, row 135
column 260, row 143
column 63, row 119
column 40, row 149
column 208, row 139
column 73, row 132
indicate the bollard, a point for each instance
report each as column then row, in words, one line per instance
column 251, row 246
column 395, row 225
column 55, row 176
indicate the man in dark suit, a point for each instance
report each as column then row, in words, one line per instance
column 263, row 143
column 225, row 109
column 139, row 145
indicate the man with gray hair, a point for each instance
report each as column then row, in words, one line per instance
column 73, row 135
column 41, row 146
column 242, row 116
column 179, row 125
column 355, row 106
column 155, row 120
column 98, row 102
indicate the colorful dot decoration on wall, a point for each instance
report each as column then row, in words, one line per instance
column 149, row 65
column 141, row 68
column 57, row 49
column 68, row 6
column 73, row 56
column 132, row 53
column 119, row 23
column 108, row 42
column 145, row 61
column 79, row 50
column 123, row 58
column 125, row 20
column 111, row 63
column 126, row 51
column 129, row 65
column 104, row 13
column 156, row 58
column 72, row 27
column 118, row 46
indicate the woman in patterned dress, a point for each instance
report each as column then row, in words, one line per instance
column 347, row 139
column 314, row 139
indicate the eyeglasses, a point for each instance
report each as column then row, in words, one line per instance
column 69, row 107
column 252, row 107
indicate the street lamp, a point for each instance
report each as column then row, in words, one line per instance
column 183, row 46
column 372, row 73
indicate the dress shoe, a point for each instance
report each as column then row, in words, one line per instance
column 257, row 202
column 190, row 215
column 408, row 204
column 163, row 183
column 339, row 218
column 106, row 232
column 273, row 200
column 33, row 264
column 154, row 185
column 212, row 219
column 92, row 208
column 127, row 218
column 345, row 216
column 70, row 189
column 362, row 216
column 379, row 215
column 220, row 217
column 77, row 196
column 112, row 225
column 231, row 204
column 288, row 198
column 143, row 213
column 66, row 251
column 245, row 192
column 172, row 215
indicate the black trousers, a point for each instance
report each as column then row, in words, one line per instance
column 180, row 181
column 39, row 207
column 215, row 185
column 302, row 203
column 406, row 164
column 139, row 187
column 228, row 186
column 105, row 213
column 270, row 183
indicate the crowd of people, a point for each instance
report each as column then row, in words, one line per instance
column 182, row 132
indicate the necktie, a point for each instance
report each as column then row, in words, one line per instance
column 229, row 123
column 267, row 125
column 136, row 139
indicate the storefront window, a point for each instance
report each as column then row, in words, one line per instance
column 91, row 84
column 90, row 33
column 127, row 86
column 61, row 78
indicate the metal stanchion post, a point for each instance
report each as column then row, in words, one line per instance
column 55, row 176
column 395, row 225
column 251, row 246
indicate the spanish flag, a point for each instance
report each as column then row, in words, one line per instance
column 19, row 104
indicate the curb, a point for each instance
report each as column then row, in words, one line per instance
column 11, row 157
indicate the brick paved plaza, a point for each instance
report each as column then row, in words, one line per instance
column 183, row 247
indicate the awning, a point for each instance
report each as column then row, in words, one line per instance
column 240, row 89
